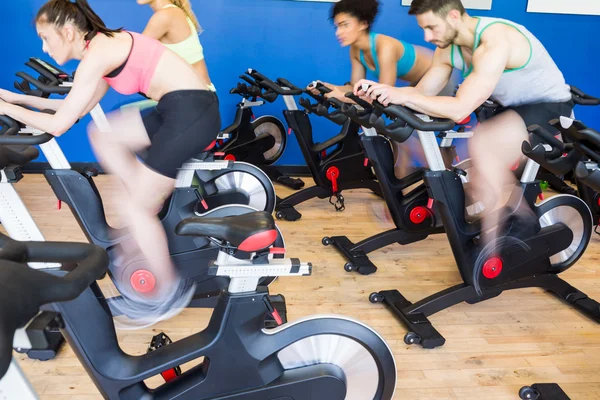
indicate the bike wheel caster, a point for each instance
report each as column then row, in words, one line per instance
column 528, row 393
column 412, row 338
column 376, row 298
column 288, row 213
column 349, row 267
column 327, row 241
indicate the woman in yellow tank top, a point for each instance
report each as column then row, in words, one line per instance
column 176, row 26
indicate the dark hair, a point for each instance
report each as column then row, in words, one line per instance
column 364, row 10
column 439, row 7
column 78, row 12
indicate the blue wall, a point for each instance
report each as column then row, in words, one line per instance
column 294, row 40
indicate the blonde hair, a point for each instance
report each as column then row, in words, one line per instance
column 187, row 9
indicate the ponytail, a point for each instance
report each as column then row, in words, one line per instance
column 187, row 9
column 78, row 12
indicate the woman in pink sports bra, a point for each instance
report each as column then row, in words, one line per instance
column 185, row 121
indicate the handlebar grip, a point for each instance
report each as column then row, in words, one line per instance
column 295, row 90
column 36, row 288
column 42, row 71
column 11, row 127
column 248, row 80
column 337, row 103
column 29, row 140
column 322, row 88
column 364, row 104
column 92, row 262
column 362, row 117
column 43, row 87
column 547, row 137
column 408, row 116
column 277, row 88
column 583, row 99
column 257, row 75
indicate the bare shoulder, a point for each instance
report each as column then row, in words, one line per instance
column 105, row 53
column 169, row 13
column 390, row 46
column 498, row 34
column 385, row 42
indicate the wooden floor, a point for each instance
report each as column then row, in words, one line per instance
column 492, row 348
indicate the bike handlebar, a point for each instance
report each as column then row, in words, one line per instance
column 35, row 288
column 278, row 87
column 583, row 99
column 50, row 89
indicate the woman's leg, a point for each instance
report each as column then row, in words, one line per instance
column 115, row 150
column 147, row 190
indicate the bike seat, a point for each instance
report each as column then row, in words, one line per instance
column 17, row 155
column 248, row 232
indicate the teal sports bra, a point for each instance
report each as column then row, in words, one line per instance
column 405, row 63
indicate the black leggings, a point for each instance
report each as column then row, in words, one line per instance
column 181, row 126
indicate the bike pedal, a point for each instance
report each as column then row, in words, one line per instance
column 162, row 340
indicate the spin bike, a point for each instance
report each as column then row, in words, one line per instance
column 528, row 251
column 328, row 357
column 261, row 141
column 336, row 165
column 570, row 155
column 217, row 182
column 191, row 255
column 543, row 391
column 414, row 218
column 18, row 223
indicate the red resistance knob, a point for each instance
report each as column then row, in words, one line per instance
column 143, row 281
column 418, row 215
column 333, row 173
column 492, row 268
column 230, row 157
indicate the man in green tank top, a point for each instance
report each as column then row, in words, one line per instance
column 500, row 60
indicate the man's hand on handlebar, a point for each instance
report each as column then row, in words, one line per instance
column 385, row 94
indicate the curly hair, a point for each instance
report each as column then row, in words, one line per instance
column 365, row 10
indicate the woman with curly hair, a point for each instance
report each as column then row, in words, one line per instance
column 380, row 58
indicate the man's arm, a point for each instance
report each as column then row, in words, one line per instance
column 84, row 92
column 438, row 75
column 489, row 62
column 158, row 26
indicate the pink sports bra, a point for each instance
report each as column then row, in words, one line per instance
column 136, row 73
